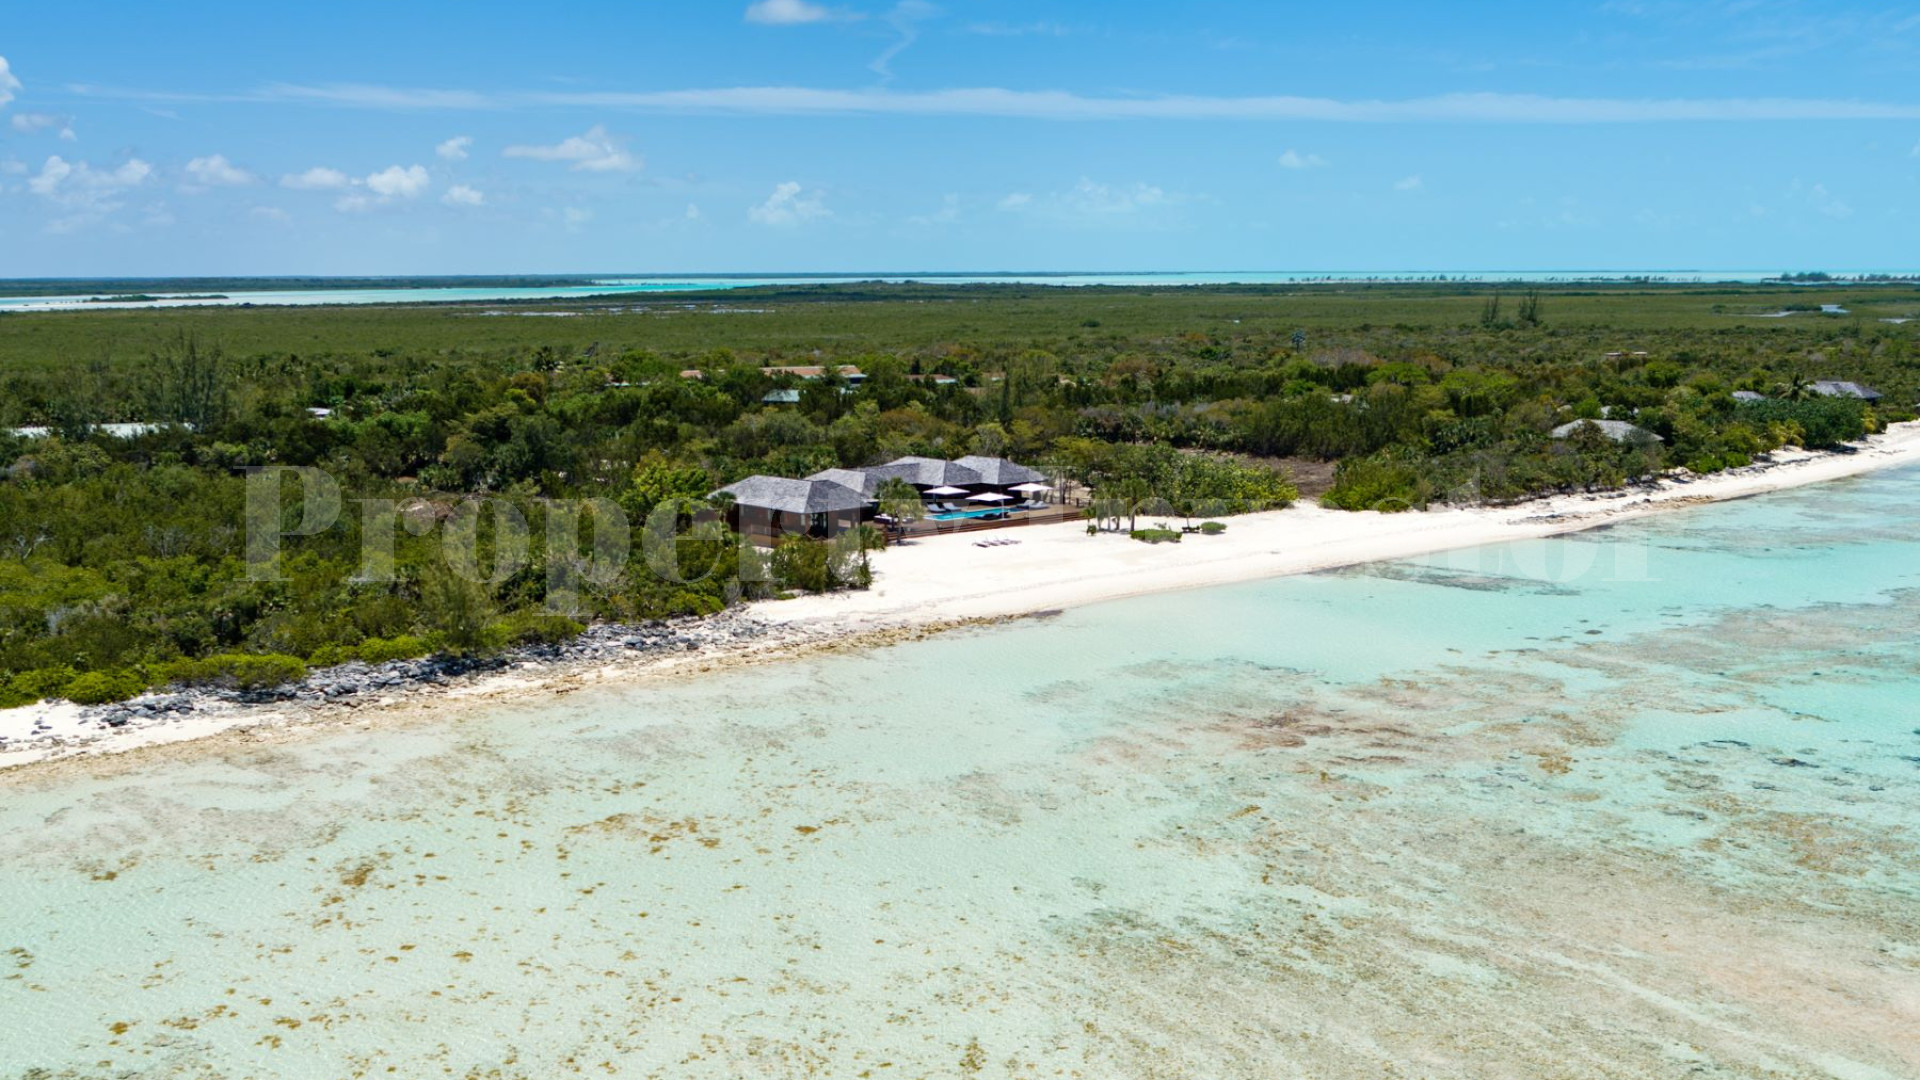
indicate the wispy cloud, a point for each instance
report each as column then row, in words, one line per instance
column 454, row 149
column 1064, row 105
column 462, row 195
column 905, row 18
column 1293, row 159
column 32, row 123
column 1033, row 29
column 786, row 13
column 789, row 205
column 1094, row 204
column 1410, row 183
column 596, row 151
column 318, row 178
column 948, row 213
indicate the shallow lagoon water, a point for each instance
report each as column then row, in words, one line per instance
column 1632, row 803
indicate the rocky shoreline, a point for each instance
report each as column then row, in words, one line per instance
column 356, row 684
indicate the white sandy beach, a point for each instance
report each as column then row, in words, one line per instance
column 949, row 579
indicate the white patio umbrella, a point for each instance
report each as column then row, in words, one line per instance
column 944, row 491
column 1030, row 488
column 989, row 496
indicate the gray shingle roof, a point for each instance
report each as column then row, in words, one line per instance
column 1000, row 471
column 1843, row 388
column 794, row 496
column 1617, row 430
column 861, row 480
column 932, row 472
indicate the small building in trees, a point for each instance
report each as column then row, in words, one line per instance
column 1841, row 388
column 1618, row 430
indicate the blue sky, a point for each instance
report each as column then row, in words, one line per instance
column 795, row 135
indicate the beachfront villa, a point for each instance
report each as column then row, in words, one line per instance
column 768, row 508
column 964, row 494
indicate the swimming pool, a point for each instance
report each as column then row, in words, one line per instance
column 957, row 515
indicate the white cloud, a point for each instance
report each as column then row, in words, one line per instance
column 693, row 212
column 318, row 178
column 270, row 213
column 353, row 204
column 60, row 179
column 217, row 171
column 462, row 195
column 8, row 84
column 87, row 194
column 789, row 205
column 596, row 151
column 1293, row 159
column 786, row 12
column 1018, row 200
column 454, row 149
column 394, row 182
column 1411, row 183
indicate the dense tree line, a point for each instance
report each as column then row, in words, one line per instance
column 121, row 558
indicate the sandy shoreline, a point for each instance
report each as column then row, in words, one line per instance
column 935, row 584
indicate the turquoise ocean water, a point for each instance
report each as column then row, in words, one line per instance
column 1634, row 803
column 639, row 288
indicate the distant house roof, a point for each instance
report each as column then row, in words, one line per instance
column 794, row 496
column 780, row 397
column 693, row 373
column 1000, row 471
column 1842, row 388
column 1618, row 430
column 815, row 371
column 1748, row 395
column 932, row 472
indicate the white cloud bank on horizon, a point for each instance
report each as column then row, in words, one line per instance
column 595, row 151
column 1065, row 105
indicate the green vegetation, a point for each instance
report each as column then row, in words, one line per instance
column 122, row 558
